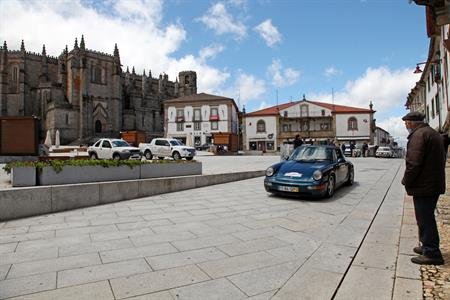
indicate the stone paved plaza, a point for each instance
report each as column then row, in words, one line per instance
column 227, row 241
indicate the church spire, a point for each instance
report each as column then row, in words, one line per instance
column 76, row 44
column 82, row 46
column 44, row 53
column 116, row 50
column 5, row 47
column 22, row 46
column 132, row 71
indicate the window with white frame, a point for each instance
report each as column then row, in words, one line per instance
column 180, row 115
column 180, row 126
column 304, row 110
column 197, row 114
column 197, row 126
column 214, row 125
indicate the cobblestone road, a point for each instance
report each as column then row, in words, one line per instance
column 228, row 241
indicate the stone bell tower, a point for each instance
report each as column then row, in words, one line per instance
column 187, row 83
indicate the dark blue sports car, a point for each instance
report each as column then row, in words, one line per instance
column 310, row 171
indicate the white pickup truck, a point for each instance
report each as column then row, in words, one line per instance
column 163, row 147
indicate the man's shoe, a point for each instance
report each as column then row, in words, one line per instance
column 418, row 250
column 424, row 260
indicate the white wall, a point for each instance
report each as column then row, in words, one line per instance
column 313, row 110
column 224, row 123
column 363, row 120
column 430, row 97
column 252, row 135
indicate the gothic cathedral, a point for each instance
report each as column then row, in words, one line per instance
column 84, row 93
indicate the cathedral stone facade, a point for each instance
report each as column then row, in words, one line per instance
column 84, row 93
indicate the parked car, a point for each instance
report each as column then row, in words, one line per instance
column 356, row 151
column 310, row 171
column 384, row 152
column 203, row 147
column 113, row 149
column 166, row 147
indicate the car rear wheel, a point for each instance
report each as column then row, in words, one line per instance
column 351, row 177
column 189, row 158
column 176, row 156
column 148, row 155
column 330, row 187
column 116, row 156
column 93, row 156
column 160, row 157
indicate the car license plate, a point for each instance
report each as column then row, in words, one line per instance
column 288, row 188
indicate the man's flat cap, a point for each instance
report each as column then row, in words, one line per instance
column 414, row 116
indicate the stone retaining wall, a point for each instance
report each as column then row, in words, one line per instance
column 31, row 201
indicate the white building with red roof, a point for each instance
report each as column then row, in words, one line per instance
column 313, row 121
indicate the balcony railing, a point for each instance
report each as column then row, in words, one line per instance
column 179, row 119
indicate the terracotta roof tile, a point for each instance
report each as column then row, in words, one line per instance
column 274, row 110
column 197, row 97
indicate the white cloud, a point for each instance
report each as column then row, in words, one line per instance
column 387, row 89
column 136, row 26
column 238, row 3
column 263, row 105
column 209, row 79
column 218, row 19
column 269, row 33
column 250, row 87
column 210, row 51
column 246, row 88
column 280, row 77
column 331, row 71
column 396, row 127
column 139, row 10
column 384, row 87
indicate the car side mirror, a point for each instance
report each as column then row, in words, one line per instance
column 341, row 160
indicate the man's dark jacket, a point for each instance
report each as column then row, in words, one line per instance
column 425, row 163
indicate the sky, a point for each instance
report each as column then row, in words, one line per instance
column 258, row 52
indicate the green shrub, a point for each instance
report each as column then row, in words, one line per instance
column 58, row 164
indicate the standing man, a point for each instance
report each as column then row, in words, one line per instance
column 297, row 141
column 424, row 179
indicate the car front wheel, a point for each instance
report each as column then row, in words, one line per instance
column 93, row 156
column 330, row 187
column 351, row 177
column 116, row 156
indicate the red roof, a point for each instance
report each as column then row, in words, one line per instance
column 270, row 111
column 275, row 110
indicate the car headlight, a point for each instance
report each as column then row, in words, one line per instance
column 317, row 175
column 270, row 171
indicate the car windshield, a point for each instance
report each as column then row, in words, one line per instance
column 120, row 143
column 312, row 153
column 176, row 143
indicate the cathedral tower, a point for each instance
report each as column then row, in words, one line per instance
column 187, row 83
